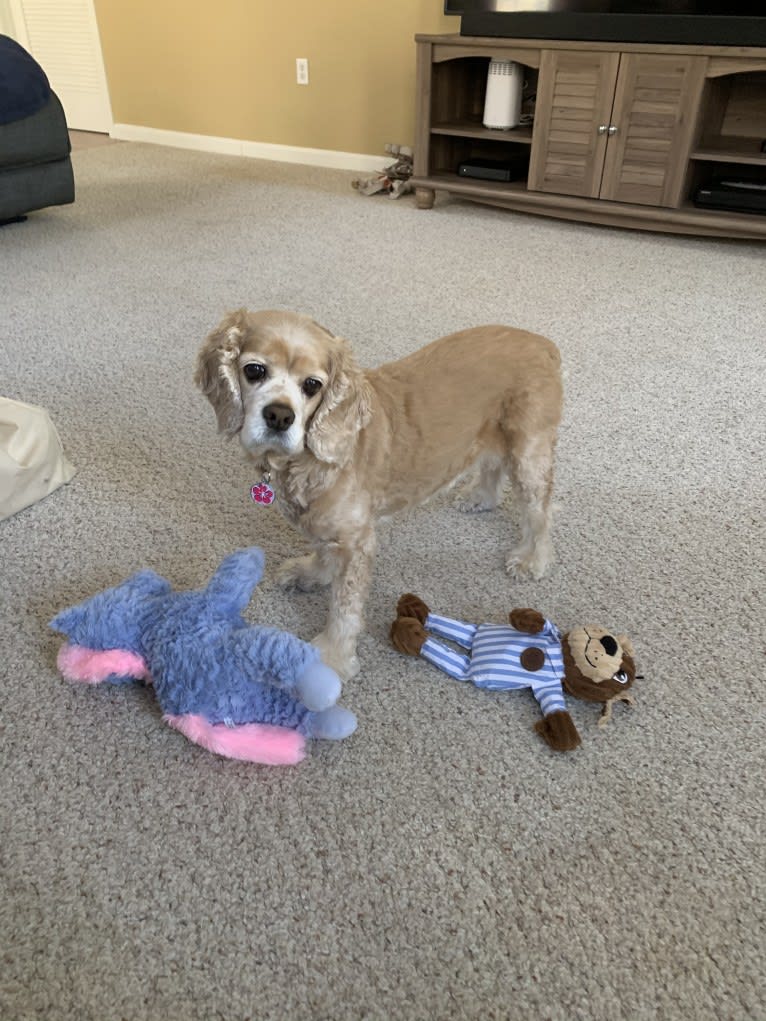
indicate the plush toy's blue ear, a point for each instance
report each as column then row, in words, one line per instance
column 67, row 620
column 114, row 618
column 232, row 585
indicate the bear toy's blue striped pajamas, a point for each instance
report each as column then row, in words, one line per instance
column 494, row 658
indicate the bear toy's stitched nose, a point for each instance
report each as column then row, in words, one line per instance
column 278, row 417
column 610, row 645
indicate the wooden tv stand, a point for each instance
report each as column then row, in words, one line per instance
column 620, row 134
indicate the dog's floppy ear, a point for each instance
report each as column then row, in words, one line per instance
column 345, row 408
column 217, row 373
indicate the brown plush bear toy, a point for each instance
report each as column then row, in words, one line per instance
column 589, row 663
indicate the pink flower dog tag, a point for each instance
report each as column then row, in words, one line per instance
column 262, row 492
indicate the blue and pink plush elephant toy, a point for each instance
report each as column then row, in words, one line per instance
column 243, row 691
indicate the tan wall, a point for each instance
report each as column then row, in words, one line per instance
column 228, row 68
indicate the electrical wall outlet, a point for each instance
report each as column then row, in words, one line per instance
column 302, row 70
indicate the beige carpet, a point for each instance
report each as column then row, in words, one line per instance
column 442, row 863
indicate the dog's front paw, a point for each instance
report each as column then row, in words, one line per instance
column 534, row 563
column 301, row 573
column 343, row 661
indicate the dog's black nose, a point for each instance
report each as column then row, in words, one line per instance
column 610, row 645
column 278, row 417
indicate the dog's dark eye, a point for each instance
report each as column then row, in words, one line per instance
column 254, row 372
column 311, row 386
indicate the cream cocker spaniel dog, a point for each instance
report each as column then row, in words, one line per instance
column 343, row 447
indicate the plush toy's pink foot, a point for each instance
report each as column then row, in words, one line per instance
column 252, row 742
column 92, row 666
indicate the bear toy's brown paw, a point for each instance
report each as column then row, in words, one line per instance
column 559, row 731
column 408, row 635
column 412, row 606
column 530, row 622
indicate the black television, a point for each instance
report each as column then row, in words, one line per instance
column 694, row 22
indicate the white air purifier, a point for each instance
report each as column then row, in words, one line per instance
column 502, row 105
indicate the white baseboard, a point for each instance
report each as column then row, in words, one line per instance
column 253, row 150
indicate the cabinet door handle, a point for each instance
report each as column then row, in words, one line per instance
column 603, row 128
column 612, row 130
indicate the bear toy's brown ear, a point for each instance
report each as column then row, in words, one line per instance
column 557, row 729
column 530, row 622
column 408, row 635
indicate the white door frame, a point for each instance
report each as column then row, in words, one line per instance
column 16, row 14
column 7, row 26
column 97, row 109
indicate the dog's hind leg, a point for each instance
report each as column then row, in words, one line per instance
column 531, row 464
column 305, row 573
column 487, row 490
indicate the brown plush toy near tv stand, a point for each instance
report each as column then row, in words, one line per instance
column 589, row 663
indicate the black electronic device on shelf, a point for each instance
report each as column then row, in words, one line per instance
column 737, row 194
column 514, row 168
column 694, row 22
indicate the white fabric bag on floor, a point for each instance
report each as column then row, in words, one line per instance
column 32, row 461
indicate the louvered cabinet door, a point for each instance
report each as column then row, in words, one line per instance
column 574, row 99
column 655, row 108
